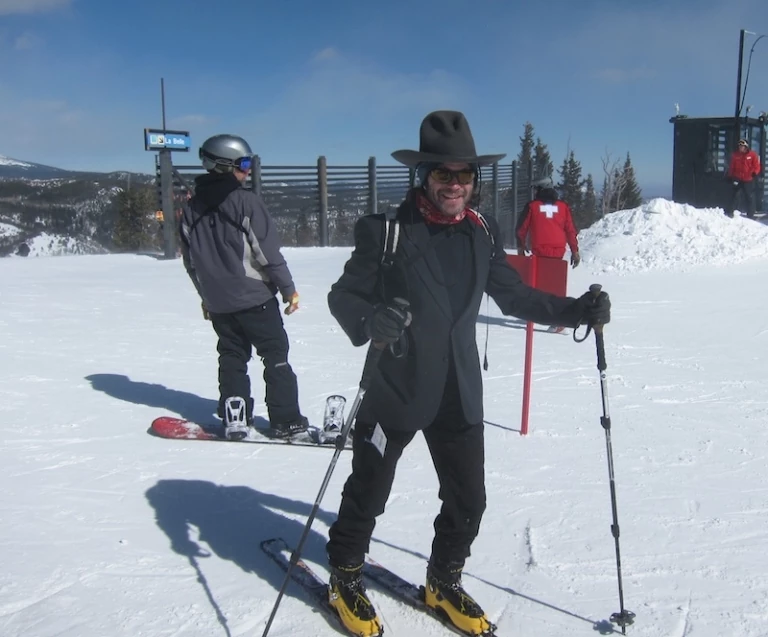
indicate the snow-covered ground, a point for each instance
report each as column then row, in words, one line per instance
column 50, row 244
column 107, row 530
column 8, row 230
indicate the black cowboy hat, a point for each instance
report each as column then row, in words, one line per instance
column 445, row 137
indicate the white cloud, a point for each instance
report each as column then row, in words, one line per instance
column 27, row 41
column 338, row 84
column 190, row 121
column 328, row 53
column 12, row 7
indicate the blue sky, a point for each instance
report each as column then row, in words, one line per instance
column 80, row 79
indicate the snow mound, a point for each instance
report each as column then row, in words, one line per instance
column 664, row 235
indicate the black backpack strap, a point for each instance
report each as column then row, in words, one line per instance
column 391, row 238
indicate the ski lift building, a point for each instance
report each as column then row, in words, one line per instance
column 702, row 151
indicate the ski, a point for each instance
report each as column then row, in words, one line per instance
column 304, row 576
column 411, row 595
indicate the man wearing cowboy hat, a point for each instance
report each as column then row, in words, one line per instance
column 429, row 377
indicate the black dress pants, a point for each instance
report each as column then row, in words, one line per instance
column 458, row 454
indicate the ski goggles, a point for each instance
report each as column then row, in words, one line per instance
column 243, row 164
column 443, row 175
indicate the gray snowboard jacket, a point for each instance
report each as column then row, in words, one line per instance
column 230, row 246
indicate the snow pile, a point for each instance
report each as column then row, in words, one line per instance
column 7, row 161
column 49, row 245
column 8, row 230
column 663, row 235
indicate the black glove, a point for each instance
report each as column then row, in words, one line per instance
column 595, row 309
column 387, row 323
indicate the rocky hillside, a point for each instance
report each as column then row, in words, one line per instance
column 57, row 211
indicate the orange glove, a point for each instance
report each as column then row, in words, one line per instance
column 292, row 303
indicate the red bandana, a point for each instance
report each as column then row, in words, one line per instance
column 431, row 214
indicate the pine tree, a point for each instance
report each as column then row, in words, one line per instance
column 525, row 156
column 135, row 214
column 587, row 214
column 542, row 162
column 571, row 183
column 526, row 144
column 633, row 196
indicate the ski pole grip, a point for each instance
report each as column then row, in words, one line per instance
column 376, row 350
column 595, row 289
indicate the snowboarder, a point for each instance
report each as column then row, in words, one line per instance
column 429, row 376
column 231, row 251
column 742, row 169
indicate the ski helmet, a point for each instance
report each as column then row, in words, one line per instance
column 222, row 153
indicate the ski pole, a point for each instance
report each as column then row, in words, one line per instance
column 369, row 368
column 624, row 617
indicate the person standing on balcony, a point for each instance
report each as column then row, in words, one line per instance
column 742, row 169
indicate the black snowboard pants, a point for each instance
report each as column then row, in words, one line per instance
column 458, row 454
column 260, row 327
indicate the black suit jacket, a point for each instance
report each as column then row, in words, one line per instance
column 407, row 391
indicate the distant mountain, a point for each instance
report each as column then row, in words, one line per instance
column 17, row 169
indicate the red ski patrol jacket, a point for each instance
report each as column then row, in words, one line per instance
column 550, row 226
column 744, row 166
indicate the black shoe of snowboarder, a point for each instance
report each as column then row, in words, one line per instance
column 289, row 428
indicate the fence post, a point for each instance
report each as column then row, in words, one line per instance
column 166, row 194
column 495, row 193
column 373, row 190
column 256, row 175
column 322, row 189
column 515, row 200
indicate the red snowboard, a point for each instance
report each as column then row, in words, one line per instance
column 180, row 429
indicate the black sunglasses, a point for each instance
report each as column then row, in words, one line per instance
column 444, row 175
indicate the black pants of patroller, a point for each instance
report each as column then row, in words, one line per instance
column 457, row 451
column 260, row 327
column 743, row 190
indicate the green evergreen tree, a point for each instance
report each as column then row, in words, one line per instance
column 525, row 156
column 135, row 218
column 571, row 183
column 587, row 214
column 542, row 162
column 633, row 196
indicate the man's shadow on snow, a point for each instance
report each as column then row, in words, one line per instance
column 188, row 406
column 602, row 626
column 202, row 519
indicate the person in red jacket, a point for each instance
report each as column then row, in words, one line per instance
column 743, row 168
column 549, row 223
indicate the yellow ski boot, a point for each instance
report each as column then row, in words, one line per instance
column 446, row 596
column 346, row 593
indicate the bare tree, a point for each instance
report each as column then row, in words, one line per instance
column 614, row 185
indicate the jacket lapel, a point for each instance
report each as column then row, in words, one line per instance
column 425, row 262
column 481, row 258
